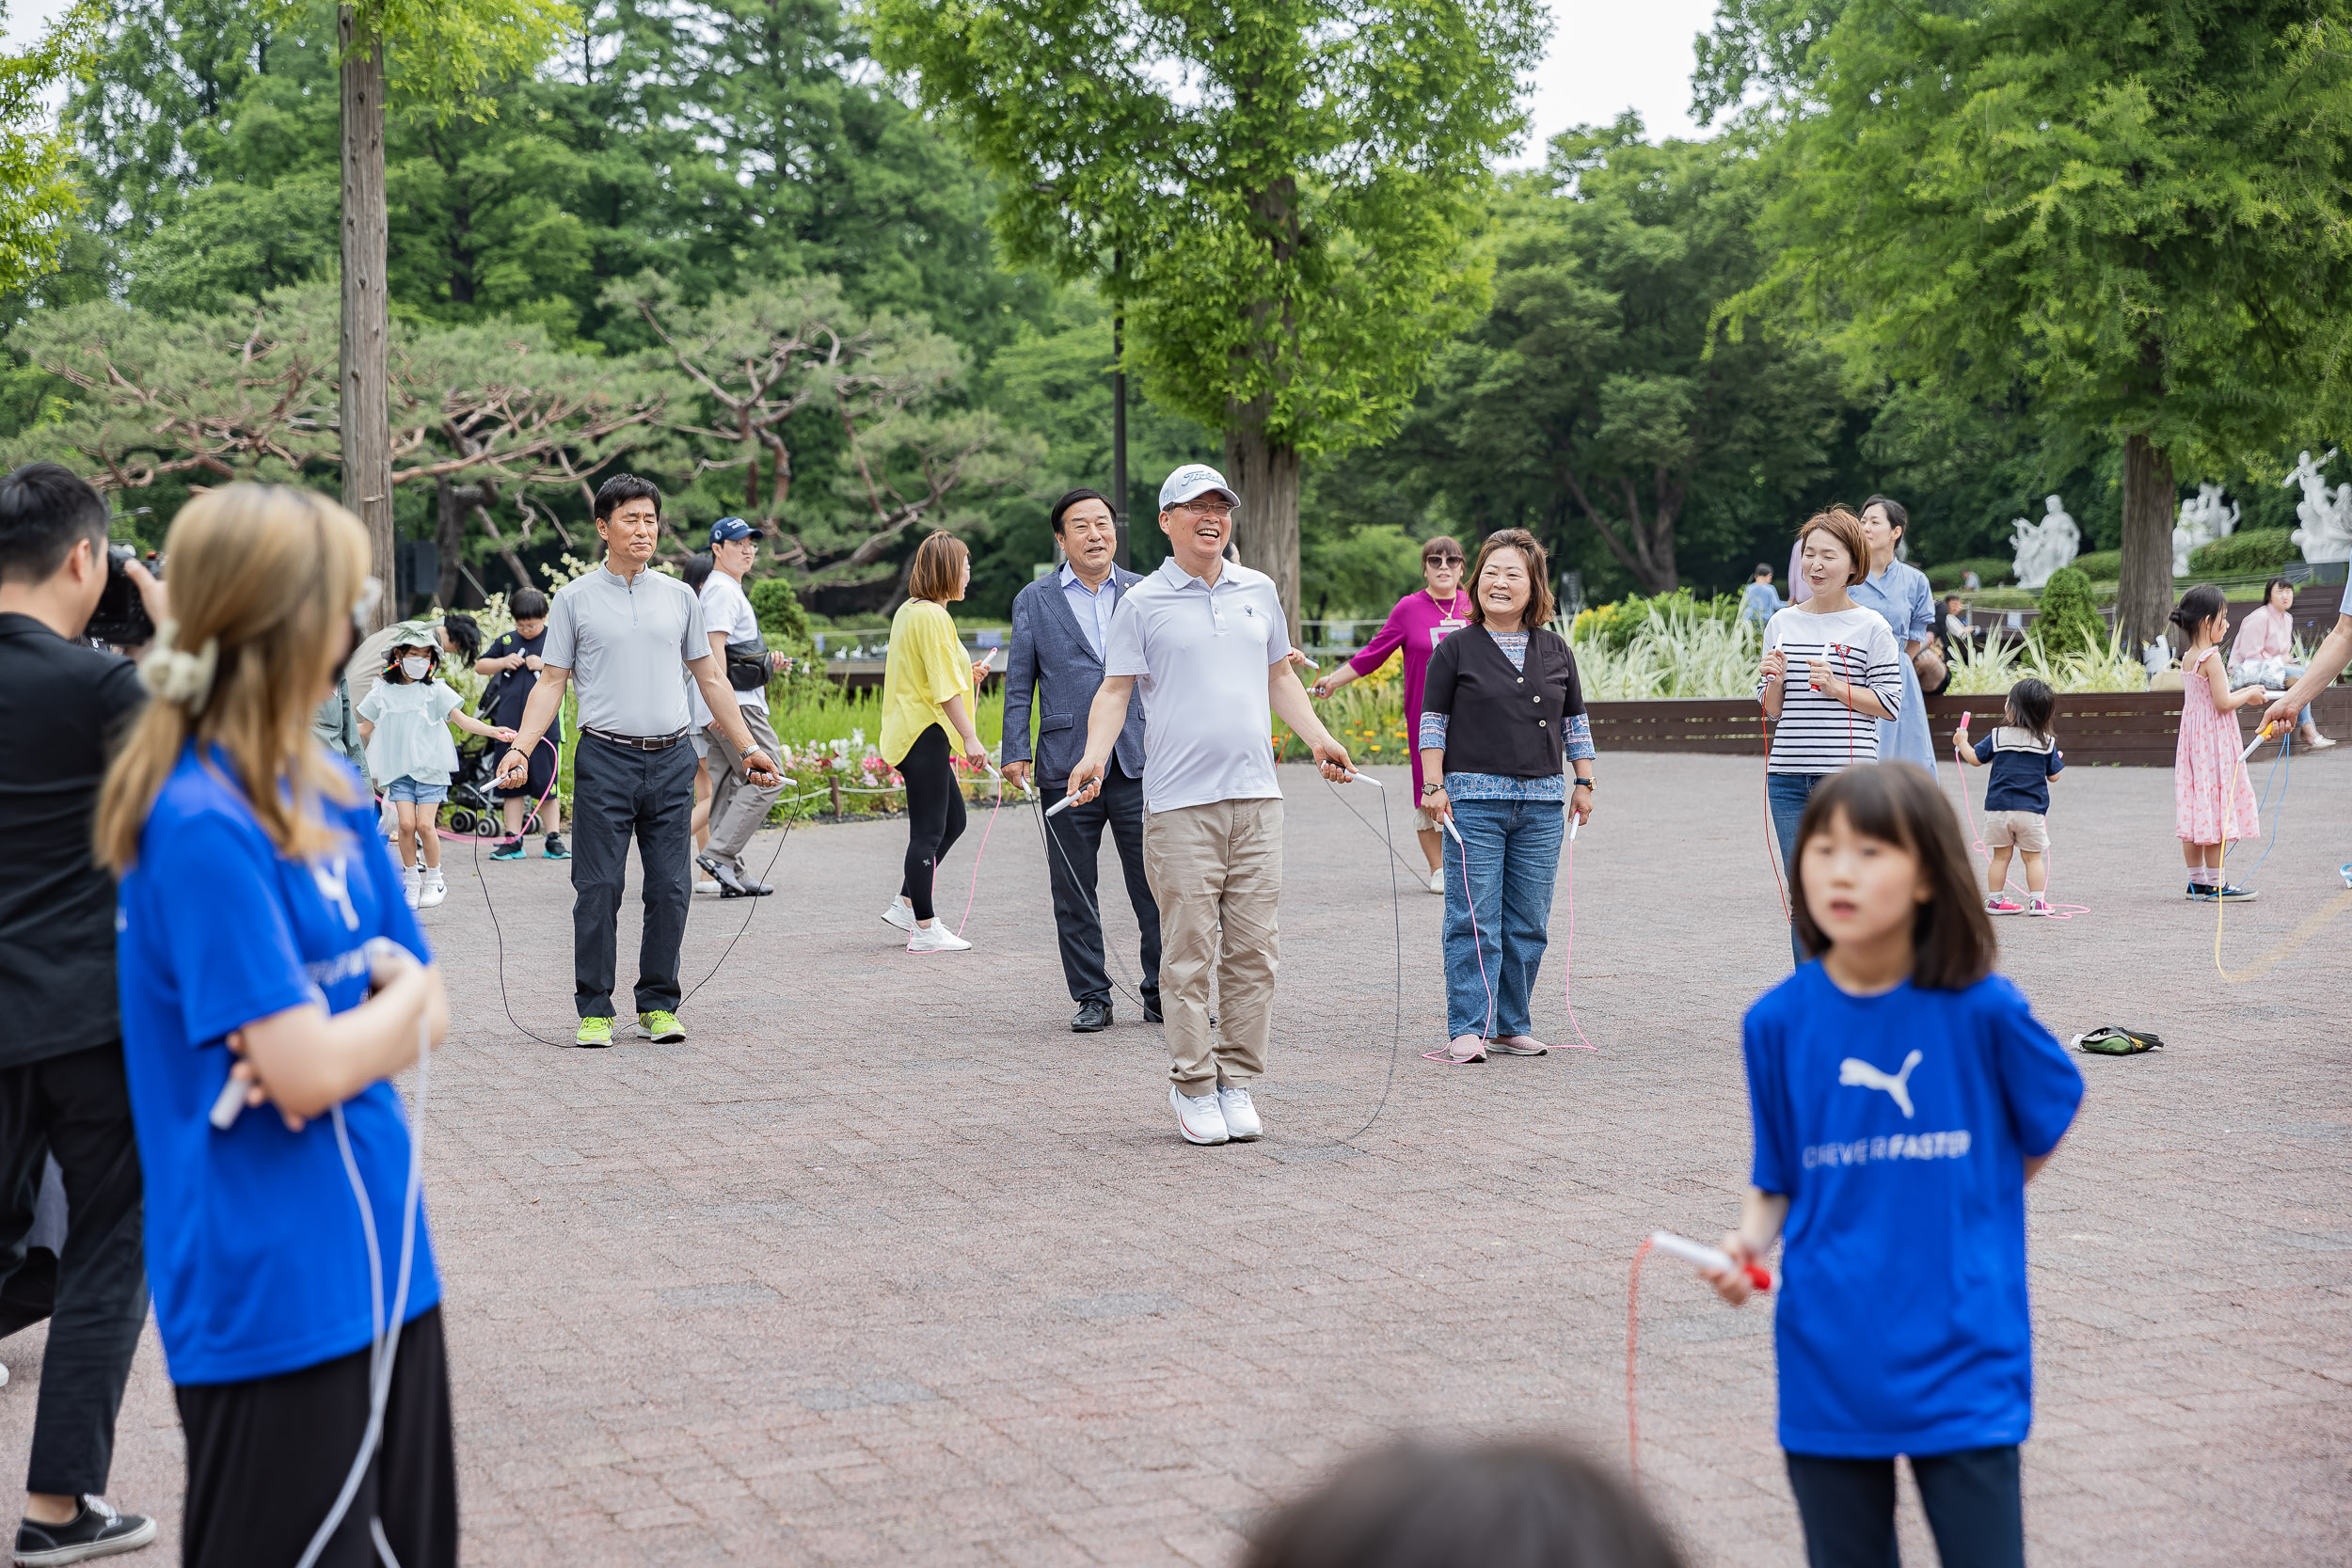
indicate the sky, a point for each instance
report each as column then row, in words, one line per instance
column 1606, row 56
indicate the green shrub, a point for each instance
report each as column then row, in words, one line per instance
column 1989, row 569
column 2070, row 622
column 782, row 622
column 2246, row 553
column 2101, row 566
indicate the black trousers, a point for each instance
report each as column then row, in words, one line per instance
column 78, row 1108
column 266, row 1459
column 1975, row 1509
column 618, row 793
column 1076, row 848
column 934, row 816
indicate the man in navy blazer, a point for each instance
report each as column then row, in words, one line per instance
column 1060, row 623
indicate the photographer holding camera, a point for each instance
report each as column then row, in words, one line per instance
column 62, row 1092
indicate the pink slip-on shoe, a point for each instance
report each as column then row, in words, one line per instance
column 1452, row 1054
column 2001, row 903
column 1518, row 1045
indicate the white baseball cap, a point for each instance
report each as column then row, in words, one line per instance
column 1193, row 480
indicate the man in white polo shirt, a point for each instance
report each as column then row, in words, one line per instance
column 1208, row 640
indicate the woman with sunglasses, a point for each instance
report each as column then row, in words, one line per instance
column 1421, row 621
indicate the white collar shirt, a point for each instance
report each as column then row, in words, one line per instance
column 1202, row 653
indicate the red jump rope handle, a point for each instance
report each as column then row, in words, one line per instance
column 1759, row 1276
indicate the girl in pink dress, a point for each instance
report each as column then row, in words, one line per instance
column 1420, row 621
column 2213, row 799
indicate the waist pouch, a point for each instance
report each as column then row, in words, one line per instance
column 747, row 664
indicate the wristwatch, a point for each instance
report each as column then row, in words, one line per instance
column 1581, row 783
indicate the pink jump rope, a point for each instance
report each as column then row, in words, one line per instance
column 1704, row 1257
column 1568, row 950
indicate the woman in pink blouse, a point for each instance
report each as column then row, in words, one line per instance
column 2264, row 646
column 1419, row 623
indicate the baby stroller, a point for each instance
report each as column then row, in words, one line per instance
column 474, row 805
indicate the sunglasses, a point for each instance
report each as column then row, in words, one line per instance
column 1441, row 561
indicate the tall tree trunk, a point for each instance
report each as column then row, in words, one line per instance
column 1119, row 433
column 2143, row 602
column 449, row 541
column 366, row 414
column 1265, row 525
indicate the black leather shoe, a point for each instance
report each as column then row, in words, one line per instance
column 1094, row 1014
column 1151, row 1007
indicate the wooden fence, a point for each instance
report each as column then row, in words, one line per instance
column 2135, row 729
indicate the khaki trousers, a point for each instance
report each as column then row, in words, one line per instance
column 1217, row 865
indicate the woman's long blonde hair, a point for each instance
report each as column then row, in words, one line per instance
column 266, row 577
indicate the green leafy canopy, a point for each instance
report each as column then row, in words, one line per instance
column 1279, row 192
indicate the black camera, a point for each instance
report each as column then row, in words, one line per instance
column 121, row 618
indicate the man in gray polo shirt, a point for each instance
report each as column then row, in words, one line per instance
column 623, row 631
column 1208, row 640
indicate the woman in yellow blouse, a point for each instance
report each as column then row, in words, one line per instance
column 928, row 687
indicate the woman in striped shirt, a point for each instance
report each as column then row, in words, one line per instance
column 1831, row 670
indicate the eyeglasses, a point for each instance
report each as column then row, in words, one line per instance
column 1198, row 510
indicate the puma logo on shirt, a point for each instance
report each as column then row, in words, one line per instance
column 1855, row 1073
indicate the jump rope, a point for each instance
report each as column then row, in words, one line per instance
column 384, row 1335
column 498, row 932
column 1396, row 906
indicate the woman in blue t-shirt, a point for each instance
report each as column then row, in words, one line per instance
column 264, row 942
column 1903, row 1096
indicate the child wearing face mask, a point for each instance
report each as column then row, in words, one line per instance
column 404, row 720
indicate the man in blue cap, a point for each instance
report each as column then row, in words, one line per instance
column 737, row 806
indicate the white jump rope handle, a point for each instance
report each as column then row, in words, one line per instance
column 231, row 1101
column 1707, row 1257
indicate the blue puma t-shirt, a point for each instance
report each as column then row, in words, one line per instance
column 1897, row 1126
column 254, row 1245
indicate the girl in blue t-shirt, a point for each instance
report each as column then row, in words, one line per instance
column 1902, row 1095
column 262, row 941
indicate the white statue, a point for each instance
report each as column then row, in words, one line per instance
column 2043, row 548
column 2202, row 521
column 2327, row 516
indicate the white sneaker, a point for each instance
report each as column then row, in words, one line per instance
column 1241, row 1116
column 414, row 880
column 1199, row 1117
column 936, row 938
column 902, row 914
column 707, row 886
column 1437, row 881
column 434, row 891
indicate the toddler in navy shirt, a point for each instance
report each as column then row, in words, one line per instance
column 2023, row 757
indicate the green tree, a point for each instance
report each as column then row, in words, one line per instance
column 1286, row 188
column 2134, row 213
column 1597, row 388
column 2069, row 622
column 37, row 191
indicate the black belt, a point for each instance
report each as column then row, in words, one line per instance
column 636, row 742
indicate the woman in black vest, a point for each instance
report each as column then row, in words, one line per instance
column 1502, row 721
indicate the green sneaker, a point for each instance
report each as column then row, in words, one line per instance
column 660, row 1027
column 593, row 1031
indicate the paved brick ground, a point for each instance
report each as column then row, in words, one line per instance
column 884, row 1266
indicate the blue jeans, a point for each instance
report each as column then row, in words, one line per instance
column 1787, row 793
column 1513, row 857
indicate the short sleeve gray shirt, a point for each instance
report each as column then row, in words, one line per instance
column 624, row 640
column 1202, row 654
